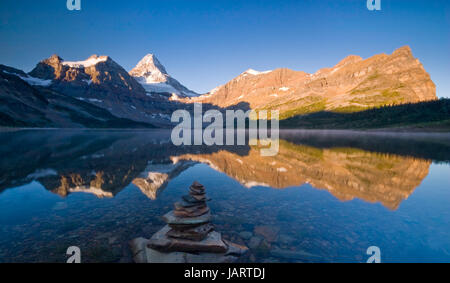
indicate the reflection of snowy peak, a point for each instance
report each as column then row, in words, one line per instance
column 156, row 177
column 154, row 77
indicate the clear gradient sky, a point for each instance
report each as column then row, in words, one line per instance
column 206, row 43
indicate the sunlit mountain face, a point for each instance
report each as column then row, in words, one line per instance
column 65, row 186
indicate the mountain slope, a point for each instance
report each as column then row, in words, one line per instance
column 25, row 102
column 99, row 80
column 353, row 84
column 155, row 79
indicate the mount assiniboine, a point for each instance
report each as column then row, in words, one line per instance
column 155, row 79
column 98, row 92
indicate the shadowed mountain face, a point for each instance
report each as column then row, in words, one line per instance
column 353, row 84
column 62, row 94
column 104, row 163
column 101, row 81
column 26, row 103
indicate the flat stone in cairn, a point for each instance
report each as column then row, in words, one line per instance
column 199, row 197
column 182, row 204
column 191, row 212
column 170, row 218
column 196, row 184
column 194, row 191
column 212, row 243
column 143, row 254
column 197, row 233
column 197, row 189
column 191, row 199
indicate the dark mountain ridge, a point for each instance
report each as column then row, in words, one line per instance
column 26, row 105
column 99, row 80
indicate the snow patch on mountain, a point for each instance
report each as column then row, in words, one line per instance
column 90, row 99
column 31, row 80
column 91, row 61
column 36, row 81
column 156, row 87
column 255, row 73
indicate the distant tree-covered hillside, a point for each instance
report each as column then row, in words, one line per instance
column 424, row 115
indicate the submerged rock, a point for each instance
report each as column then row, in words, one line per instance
column 245, row 235
column 293, row 255
column 268, row 232
column 254, row 242
column 138, row 249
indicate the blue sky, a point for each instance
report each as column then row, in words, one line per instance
column 206, row 43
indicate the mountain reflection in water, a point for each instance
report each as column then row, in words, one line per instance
column 373, row 167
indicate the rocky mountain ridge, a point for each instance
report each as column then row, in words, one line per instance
column 99, row 80
column 27, row 102
column 353, row 84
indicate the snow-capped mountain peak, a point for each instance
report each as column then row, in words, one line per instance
column 151, row 69
column 155, row 79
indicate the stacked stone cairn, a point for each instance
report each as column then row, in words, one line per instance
column 189, row 236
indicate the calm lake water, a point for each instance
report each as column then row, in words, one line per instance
column 326, row 197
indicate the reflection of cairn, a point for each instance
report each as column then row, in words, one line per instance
column 189, row 235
